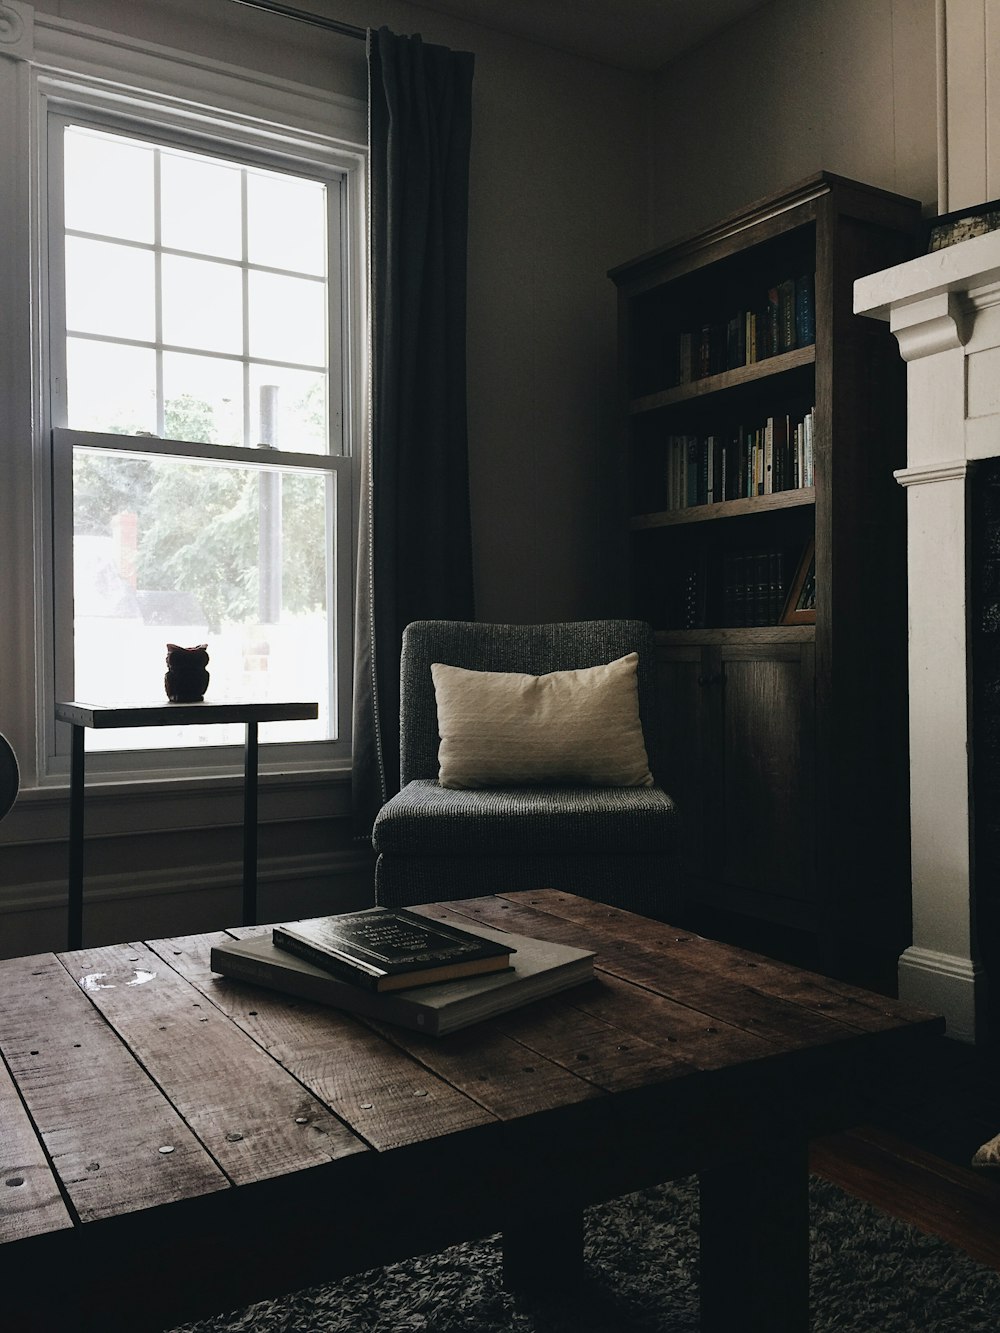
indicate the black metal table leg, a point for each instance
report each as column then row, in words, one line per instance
column 75, row 902
column 250, row 828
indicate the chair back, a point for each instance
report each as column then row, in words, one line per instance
column 534, row 649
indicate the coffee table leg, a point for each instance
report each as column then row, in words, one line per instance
column 755, row 1243
column 543, row 1251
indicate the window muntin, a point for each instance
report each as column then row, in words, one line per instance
column 199, row 323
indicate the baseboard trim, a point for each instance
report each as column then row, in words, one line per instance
column 946, row 984
column 178, row 880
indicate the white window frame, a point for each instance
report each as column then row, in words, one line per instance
column 180, row 98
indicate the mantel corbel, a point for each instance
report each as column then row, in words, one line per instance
column 16, row 30
column 934, row 324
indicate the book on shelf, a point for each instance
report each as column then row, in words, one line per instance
column 754, row 587
column 805, row 309
column 381, row 948
column 745, row 461
column 539, row 969
column 780, row 320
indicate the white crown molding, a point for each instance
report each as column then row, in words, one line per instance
column 114, row 60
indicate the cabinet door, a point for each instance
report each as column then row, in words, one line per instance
column 763, row 835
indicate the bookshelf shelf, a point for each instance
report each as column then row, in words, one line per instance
column 754, row 504
column 778, row 364
column 786, row 743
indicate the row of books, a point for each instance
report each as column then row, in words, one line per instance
column 754, row 587
column 401, row 967
column 783, row 319
column 777, row 455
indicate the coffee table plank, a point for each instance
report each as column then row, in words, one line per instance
column 31, row 1203
column 614, row 1060
column 504, row 1076
column 788, row 1026
column 837, row 999
column 386, row 1097
column 699, row 1042
column 101, row 1117
column 255, row 1120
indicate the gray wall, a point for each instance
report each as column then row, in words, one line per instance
column 798, row 86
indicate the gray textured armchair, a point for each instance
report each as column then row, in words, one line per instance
column 612, row 843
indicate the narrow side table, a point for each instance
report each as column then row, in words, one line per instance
column 105, row 716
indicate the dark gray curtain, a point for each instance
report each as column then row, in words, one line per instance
column 415, row 557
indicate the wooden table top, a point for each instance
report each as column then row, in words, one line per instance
column 163, row 713
column 143, row 1096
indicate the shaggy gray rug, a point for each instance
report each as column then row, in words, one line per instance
column 869, row 1274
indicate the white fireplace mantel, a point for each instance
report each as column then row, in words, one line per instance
column 944, row 309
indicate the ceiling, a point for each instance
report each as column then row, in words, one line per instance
column 631, row 34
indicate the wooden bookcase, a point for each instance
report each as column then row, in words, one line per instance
column 785, row 744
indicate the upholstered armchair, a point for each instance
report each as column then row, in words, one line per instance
column 614, row 841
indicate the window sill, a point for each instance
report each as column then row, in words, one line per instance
column 116, row 806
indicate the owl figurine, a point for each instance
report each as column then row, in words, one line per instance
column 187, row 679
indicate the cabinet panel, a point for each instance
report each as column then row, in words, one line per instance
column 767, row 779
column 685, row 720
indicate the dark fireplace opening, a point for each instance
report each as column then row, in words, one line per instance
column 984, row 649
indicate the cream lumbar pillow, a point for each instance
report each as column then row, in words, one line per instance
column 501, row 729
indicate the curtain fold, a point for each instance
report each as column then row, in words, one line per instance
column 415, row 546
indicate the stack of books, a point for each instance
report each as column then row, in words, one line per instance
column 400, row 967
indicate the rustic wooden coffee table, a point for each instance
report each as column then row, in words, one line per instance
column 176, row 1144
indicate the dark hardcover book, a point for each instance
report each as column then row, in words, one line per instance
column 786, row 315
column 383, row 949
column 805, row 310
column 684, row 359
column 704, row 356
column 773, row 322
column 539, row 969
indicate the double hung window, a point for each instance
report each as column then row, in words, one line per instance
column 200, row 408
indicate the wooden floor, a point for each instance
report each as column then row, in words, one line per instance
column 913, row 1161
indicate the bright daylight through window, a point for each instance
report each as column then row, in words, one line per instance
column 198, row 414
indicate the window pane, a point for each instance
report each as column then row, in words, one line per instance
column 200, row 205
column 202, row 399
column 109, row 289
column 288, row 409
column 287, row 319
column 108, row 185
column 202, row 305
column 111, row 387
column 167, row 551
column 286, row 223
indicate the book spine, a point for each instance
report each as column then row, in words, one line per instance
column 340, row 968
column 684, row 359
column 323, row 990
column 786, row 315
column 805, row 310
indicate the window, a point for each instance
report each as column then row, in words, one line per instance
column 202, row 474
